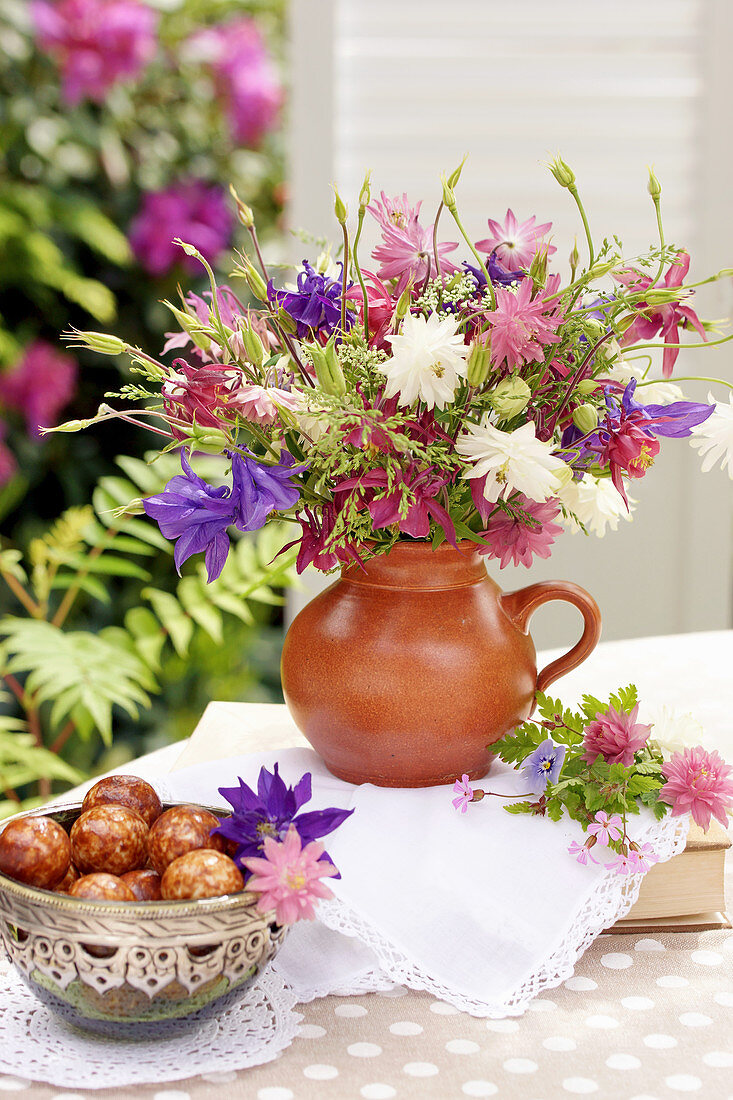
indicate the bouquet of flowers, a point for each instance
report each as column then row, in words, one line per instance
column 600, row 764
column 451, row 390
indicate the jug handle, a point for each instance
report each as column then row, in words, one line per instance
column 520, row 606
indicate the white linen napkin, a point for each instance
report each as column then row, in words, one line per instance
column 484, row 909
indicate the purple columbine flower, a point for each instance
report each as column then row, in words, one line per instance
column 315, row 305
column 262, row 489
column 498, row 274
column 543, row 766
column 270, row 811
column 196, row 515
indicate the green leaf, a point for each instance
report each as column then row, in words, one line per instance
column 174, row 620
column 90, row 585
column 148, row 634
column 625, row 699
column 638, row 784
column 592, row 706
column 514, row 747
column 593, row 798
column 518, row 807
column 195, row 600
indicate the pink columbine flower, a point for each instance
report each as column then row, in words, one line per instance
column 515, row 243
column 262, row 404
column 288, row 878
column 699, row 783
column 605, row 828
column 642, row 858
column 616, row 736
column 521, row 326
column 581, row 853
column 666, row 319
column 512, row 539
column 194, row 211
column 96, row 43
column 406, row 251
column 465, row 793
column 245, row 76
column 39, row 385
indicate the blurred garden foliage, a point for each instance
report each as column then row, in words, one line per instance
column 122, row 125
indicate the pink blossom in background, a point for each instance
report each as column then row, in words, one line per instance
column 406, row 251
column 40, row 384
column 195, row 211
column 665, row 319
column 95, row 43
column 288, row 878
column 514, row 242
column 8, row 465
column 244, row 74
column 521, row 326
column 616, row 736
column 511, row 540
column 699, row 783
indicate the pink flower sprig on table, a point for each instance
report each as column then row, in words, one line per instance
column 581, row 852
column 465, row 793
column 700, row 783
column 288, row 878
column 605, row 828
column 616, row 736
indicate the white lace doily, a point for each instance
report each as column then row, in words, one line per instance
column 40, row 1045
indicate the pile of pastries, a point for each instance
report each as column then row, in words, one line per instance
column 123, row 846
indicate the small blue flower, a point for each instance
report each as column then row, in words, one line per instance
column 543, row 766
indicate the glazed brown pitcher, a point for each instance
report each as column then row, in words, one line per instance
column 402, row 673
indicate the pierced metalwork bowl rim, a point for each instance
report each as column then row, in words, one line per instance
column 127, row 910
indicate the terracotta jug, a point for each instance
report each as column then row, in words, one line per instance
column 402, row 673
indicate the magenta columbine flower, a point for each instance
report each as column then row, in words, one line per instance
column 616, row 736
column 95, row 43
column 700, row 783
column 288, row 878
column 543, row 766
column 514, row 243
column 522, row 537
column 39, row 385
column 464, row 791
column 581, row 852
column 245, row 77
column 605, row 828
column 194, row 211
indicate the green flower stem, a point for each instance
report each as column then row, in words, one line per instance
column 689, row 378
column 436, row 254
column 574, row 192
column 359, row 275
column 256, row 245
column 344, row 278
column 459, row 224
column 191, row 251
column 660, row 229
column 692, row 347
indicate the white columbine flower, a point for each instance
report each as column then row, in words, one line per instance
column 515, row 460
column 713, row 439
column 672, row 730
column 428, row 358
column 657, row 392
column 596, row 502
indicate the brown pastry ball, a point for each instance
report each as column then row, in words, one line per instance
column 110, row 839
column 125, row 790
column 144, row 884
column 71, row 876
column 101, row 887
column 202, row 873
column 179, row 830
column 34, row 850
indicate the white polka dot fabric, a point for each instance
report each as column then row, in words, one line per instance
column 641, row 1019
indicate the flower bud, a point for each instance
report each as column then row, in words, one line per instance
column 562, row 172
column 253, row 346
column 449, row 195
column 510, row 397
column 209, row 438
column 244, row 212
column 338, row 382
column 403, row 302
column 586, row 386
column 654, row 187
column 600, row 269
column 365, row 195
column 340, row 208
column 286, row 322
column 328, row 369
column 101, row 342
column 255, row 282
column 585, row 417
column 479, row 363
column 455, row 175
column 538, row 267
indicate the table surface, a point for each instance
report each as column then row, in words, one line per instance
column 645, row 1017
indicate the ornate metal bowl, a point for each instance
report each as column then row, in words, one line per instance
column 135, row 969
